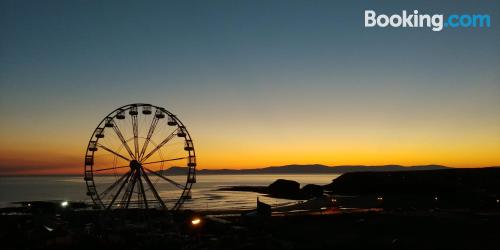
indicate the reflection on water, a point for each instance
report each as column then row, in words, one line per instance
column 204, row 192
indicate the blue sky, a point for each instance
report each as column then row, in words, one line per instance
column 251, row 68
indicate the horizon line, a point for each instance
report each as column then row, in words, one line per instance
column 258, row 168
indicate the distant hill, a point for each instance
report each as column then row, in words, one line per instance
column 304, row 169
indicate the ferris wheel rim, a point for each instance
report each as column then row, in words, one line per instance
column 191, row 155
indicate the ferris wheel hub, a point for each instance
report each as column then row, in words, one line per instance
column 135, row 165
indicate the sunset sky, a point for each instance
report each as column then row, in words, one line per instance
column 257, row 83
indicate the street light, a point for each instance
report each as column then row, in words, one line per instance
column 195, row 221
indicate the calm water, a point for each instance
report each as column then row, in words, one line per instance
column 204, row 192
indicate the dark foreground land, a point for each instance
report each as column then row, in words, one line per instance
column 330, row 230
column 432, row 209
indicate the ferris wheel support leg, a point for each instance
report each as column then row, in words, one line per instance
column 142, row 190
column 130, row 190
column 119, row 191
column 153, row 189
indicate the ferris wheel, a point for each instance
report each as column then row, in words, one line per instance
column 140, row 156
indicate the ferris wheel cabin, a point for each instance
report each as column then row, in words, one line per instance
column 192, row 161
column 171, row 121
column 133, row 111
column 189, row 145
column 182, row 132
column 99, row 133
column 146, row 110
column 120, row 115
column 109, row 122
column 159, row 114
column 93, row 146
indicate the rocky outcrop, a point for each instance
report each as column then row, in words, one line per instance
column 281, row 188
column 312, row 190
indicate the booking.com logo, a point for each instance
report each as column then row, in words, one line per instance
column 437, row 21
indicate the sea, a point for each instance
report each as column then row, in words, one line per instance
column 205, row 193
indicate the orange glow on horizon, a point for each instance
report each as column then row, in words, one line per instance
column 249, row 155
column 243, row 144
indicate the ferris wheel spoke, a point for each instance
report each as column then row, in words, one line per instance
column 179, row 186
column 169, row 137
column 135, row 126
column 113, row 152
column 119, row 190
column 153, row 189
column 114, row 184
column 122, row 139
column 104, row 169
column 173, row 159
column 151, row 130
